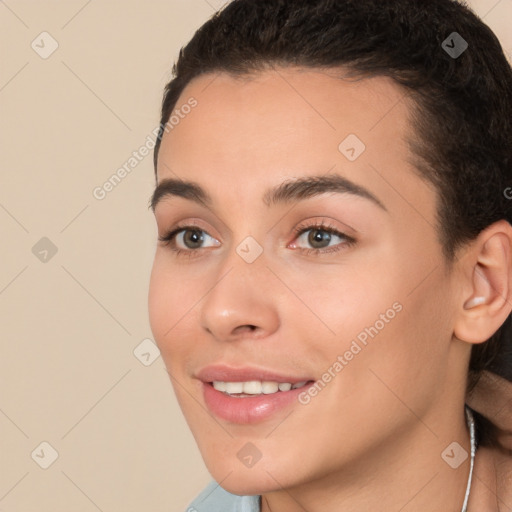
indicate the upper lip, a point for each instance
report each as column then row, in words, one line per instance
column 225, row 373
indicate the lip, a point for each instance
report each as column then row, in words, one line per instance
column 225, row 373
column 253, row 409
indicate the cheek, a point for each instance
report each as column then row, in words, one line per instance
column 157, row 299
column 408, row 357
column 383, row 324
column 165, row 303
column 352, row 305
column 173, row 305
column 339, row 295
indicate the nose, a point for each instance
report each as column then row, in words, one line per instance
column 243, row 302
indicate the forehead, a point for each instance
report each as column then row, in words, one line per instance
column 288, row 106
column 286, row 122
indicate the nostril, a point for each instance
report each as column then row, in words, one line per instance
column 247, row 327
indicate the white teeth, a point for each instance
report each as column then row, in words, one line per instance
column 234, row 387
column 220, row 386
column 255, row 387
column 269, row 387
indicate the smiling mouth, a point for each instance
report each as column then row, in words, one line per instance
column 254, row 388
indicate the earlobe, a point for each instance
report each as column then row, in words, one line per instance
column 489, row 300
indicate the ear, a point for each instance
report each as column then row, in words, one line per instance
column 486, row 297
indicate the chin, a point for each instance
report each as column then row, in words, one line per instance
column 247, row 483
column 237, row 479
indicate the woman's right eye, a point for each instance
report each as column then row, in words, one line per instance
column 186, row 239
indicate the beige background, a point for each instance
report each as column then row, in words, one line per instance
column 70, row 322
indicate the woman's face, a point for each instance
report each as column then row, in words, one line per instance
column 340, row 282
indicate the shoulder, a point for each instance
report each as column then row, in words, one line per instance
column 213, row 498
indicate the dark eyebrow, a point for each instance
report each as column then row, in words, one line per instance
column 288, row 191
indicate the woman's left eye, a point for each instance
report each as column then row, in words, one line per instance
column 320, row 236
column 186, row 240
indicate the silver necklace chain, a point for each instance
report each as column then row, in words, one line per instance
column 471, row 424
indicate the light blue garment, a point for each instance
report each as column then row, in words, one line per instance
column 215, row 499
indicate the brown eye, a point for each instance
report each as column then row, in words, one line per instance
column 191, row 238
column 319, row 236
column 187, row 239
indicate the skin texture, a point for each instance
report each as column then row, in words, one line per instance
column 372, row 439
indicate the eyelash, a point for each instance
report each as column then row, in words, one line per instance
column 169, row 239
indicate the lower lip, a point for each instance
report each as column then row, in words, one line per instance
column 251, row 409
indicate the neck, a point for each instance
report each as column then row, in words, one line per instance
column 406, row 472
